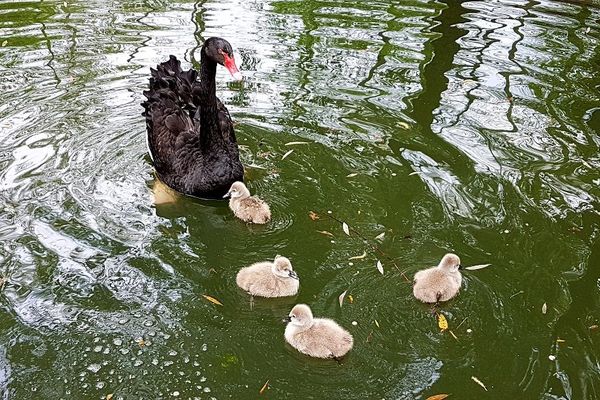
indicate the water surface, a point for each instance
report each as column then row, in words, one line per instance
column 469, row 127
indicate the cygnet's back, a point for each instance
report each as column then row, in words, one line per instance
column 247, row 208
column 439, row 283
column 316, row 337
column 269, row 279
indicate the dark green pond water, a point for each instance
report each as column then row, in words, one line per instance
column 469, row 127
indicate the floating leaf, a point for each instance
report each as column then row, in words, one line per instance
column 313, row 215
column 544, row 308
column 287, row 154
column 403, row 125
column 352, row 175
column 341, row 298
column 478, row 266
column 560, row 340
column 441, row 396
column 380, row 267
column 380, row 236
column 4, row 43
column 141, row 342
column 363, row 255
column 415, row 173
column 326, row 233
column 350, row 299
column 593, row 327
column 345, row 228
column 442, row 322
column 294, row 143
column 477, row 381
column 212, row 299
column 376, row 323
column 109, row 396
column 264, row 387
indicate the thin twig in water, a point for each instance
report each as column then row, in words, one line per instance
column 372, row 245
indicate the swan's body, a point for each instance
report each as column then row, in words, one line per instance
column 269, row 279
column 246, row 207
column 316, row 337
column 440, row 283
column 190, row 133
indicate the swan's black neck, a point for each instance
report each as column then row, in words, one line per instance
column 210, row 133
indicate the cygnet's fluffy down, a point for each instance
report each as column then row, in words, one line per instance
column 316, row 337
column 245, row 207
column 269, row 279
column 439, row 283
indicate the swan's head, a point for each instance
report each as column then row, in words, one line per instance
column 300, row 316
column 238, row 190
column 221, row 52
column 282, row 267
column 450, row 263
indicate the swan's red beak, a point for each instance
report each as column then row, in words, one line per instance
column 232, row 68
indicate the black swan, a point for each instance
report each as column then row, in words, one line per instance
column 190, row 133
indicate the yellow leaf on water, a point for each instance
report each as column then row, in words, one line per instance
column 109, row 396
column 326, row 233
column 341, row 298
column 212, row 299
column 287, row 154
column 376, row 323
column 403, row 125
column 4, row 43
column 477, row 381
column 264, row 387
column 441, row 396
column 363, row 255
column 442, row 322
column 345, row 228
column 350, row 299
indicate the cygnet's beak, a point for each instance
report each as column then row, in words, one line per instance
column 287, row 319
column 294, row 275
column 228, row 194
column 460, row 266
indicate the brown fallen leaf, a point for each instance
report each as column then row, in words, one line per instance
column 212, row 299
column 141, row 342
column 264, row 387
column 341, row 298
column 313, row 215
column 593, row 327
column 326, row 233
column 109, row 396
column 440, row 396
column 350, row 299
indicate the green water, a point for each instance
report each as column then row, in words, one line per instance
column 471, row 127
